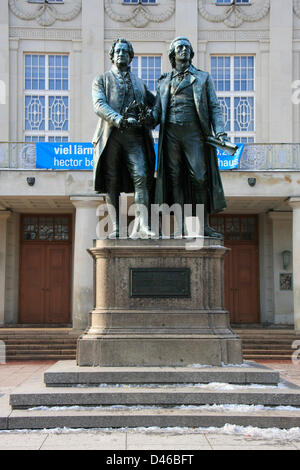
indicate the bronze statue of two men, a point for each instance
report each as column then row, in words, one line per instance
column 188, row 111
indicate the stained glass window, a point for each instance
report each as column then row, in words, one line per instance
column 234, row 79
column 46, row 107
column 235, row 228
column 31, row 228
column 46, row 228
column 35, row 113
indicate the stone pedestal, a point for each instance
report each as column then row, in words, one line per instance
column 158, row 303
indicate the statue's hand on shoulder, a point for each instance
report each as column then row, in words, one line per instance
column 149, row 120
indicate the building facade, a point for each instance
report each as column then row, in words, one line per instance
column 50, row 51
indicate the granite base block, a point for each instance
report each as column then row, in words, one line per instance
column 158, row 303
column 123, row 352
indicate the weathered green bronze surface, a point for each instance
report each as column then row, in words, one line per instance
column 124, row 156
column 188, row 112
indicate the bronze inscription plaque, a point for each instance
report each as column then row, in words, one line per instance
column 160, row 282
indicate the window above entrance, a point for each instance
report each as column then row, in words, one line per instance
column 51, row 228
column 236, row 227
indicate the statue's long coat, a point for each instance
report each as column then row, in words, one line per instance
column 108, row 98
column 210, row 119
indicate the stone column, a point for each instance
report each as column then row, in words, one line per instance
column 295, row 204
column 92, row 60
column 281, row 71
column 282, row 240
column 4, row 73
column 186, row 23
column 85, row 234
column 3, row 229
column 76, row 130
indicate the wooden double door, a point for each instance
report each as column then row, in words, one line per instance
column 241, row 266
column 45, row 270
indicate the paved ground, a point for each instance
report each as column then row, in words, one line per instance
column 14, row 374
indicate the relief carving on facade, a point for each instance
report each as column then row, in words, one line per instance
column 45, row 13
column 139, row 15
column 234, row 15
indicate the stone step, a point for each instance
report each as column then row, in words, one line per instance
column 269, row 348
column 10, row 346
column 40, row 357
column 267, row 357
column 270, row 339
column 69, row 374
column 32, row 344
column 50, row 343
column 35, row 331
column 133, row 401
column 262, row 330
column 248, row 350
column 157, row 396
column 34, row 334
column 160, row 417
column 267, row 342
column 40, row 347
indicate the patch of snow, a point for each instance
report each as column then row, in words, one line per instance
column 220, row 408
column 271, row 434
column 210, row 385
column 244, row 364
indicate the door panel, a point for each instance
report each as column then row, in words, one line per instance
column 58, row 284
column 32, row 283
column 241, row 272
column 45, row 268
column 241, row 283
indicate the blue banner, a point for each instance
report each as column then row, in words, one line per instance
column 64, row 156
column 79, row 156
column 228, row 162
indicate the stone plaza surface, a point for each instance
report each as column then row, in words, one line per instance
column 16, row 375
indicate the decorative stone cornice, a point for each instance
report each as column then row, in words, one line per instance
column 57, row 34
column 138, row 15
column 234, row 15
column 297, row 8
column 139, row 35
column 45, row 14
column 280, row 215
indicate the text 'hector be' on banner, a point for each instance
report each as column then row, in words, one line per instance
column 79, row 156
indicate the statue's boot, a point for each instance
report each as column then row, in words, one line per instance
column 179, row 231
column 209, row 231
column 141, row 226
column 179, row 226
column 113, row 212
column 115, row 232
